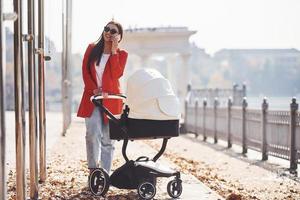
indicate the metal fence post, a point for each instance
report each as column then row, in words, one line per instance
column 189, row 87
column 244, row 89
column 244, row 134
column 196, row 117
column 2, row 113
column 3, row 17
column 66, row 67
column 234, row 94
column 215, row 120
column 184, row 127
column 264, row 144
column 229, row 144
column 293, row 149
column 19, row 103
column 204, row 119
column 32, row 102
column 41, row 89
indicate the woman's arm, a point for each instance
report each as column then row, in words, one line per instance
column 118, row 62
column 86, row 74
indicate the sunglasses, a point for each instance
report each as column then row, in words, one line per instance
column 112, row 31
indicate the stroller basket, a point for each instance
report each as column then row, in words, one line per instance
column 128, row 128
column 144, row 129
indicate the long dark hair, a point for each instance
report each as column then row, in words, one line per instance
column 97, row 51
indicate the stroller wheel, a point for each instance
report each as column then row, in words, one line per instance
column 174, row 188
column 146, row 190
column 99, row 182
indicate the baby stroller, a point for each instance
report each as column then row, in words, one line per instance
column 151, row 112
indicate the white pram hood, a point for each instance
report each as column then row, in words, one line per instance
column 150, row 96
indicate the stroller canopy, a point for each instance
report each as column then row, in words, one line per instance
column 150, row 96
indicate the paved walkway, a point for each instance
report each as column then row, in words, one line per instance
column 67, row 171
column 228, row 171
column 53, row 129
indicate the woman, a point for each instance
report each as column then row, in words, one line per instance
column 103, row 65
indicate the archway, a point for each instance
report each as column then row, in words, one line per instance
column 170, row 43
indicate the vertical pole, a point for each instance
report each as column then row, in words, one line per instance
column 41, row 85
column 217, row 91
column 68, row 57
column 2, row 113
column 32, row 104
column 264, row 145
column 293, row 149
column 184, row 77
column 215, row 120
column 244, row 134
column 66, row 69
column 204, row 119
column 185, row 116
column 186, row 103
column 189, row 87
column 234, row 91
column 244, row 90
column 63, row 63
column 196, row 117
column 229, row 143
column 19, row 103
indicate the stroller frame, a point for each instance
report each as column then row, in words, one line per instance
column 143, row 166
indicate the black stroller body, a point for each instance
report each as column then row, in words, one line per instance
column 142, row 173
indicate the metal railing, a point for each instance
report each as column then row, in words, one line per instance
column 275, row 133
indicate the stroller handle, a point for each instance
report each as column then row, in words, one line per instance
column 110, row 96
column 96, row 100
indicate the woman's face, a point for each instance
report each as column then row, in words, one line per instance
column 110, row 31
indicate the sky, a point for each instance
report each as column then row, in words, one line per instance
column 219, row 23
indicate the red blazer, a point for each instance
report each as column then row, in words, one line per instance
column 114, row 69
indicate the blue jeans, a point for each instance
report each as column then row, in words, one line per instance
column 98, row 143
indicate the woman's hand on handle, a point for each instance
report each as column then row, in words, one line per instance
column 105, row 95
column 98, row 92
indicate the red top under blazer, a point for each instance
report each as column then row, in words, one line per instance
column 114, row 69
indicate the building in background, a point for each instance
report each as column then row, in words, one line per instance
column 272, row 72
